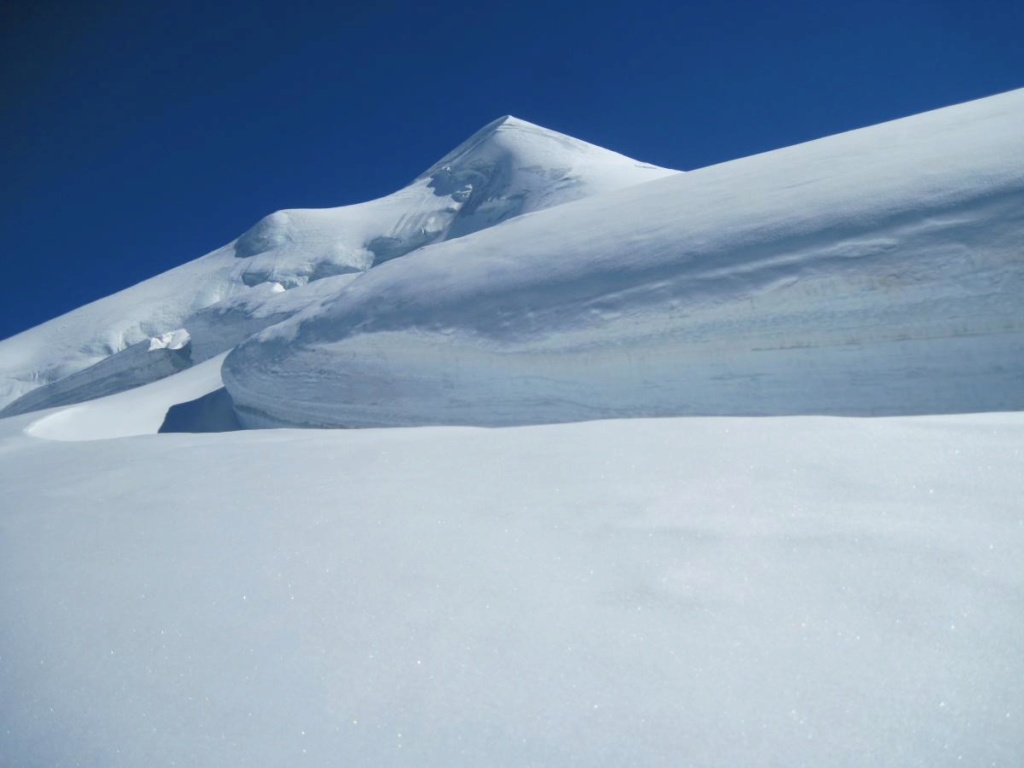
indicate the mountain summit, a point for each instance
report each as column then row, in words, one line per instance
column 875, row 272
column 507, row 168
column 512, row 166
column 293, row 258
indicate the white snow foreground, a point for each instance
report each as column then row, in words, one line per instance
column 680, row 592
column 293, row 259
column 874, row 272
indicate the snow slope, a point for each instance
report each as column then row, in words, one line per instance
column 787, row 592
column 875, row 272
column 292, row 259
column 679, row 592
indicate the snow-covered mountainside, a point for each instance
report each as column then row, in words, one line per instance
column 875, row 272
column 786, row 592
column 292, row 259
column 139, row 364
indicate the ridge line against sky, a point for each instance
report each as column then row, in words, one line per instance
column 134, row 139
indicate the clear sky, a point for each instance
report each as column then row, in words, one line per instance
column 135, row 136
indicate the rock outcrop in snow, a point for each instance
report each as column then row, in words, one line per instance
column 874, row 272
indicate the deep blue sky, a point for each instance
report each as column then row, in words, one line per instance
column 135, row 136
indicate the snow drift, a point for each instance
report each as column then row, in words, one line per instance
column 874, row 272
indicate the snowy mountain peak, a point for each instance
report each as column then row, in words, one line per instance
column 507, row 168
column 517, row 138
column 872, row 272
column 512, row 166
column 829, row 277
column 623, row 591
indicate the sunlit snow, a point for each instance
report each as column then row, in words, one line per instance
column 731, row 590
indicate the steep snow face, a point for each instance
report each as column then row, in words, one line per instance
column 874, row 272
column 292, row 259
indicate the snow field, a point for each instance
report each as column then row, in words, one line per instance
column 698, row 592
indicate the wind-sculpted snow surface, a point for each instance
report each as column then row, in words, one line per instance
column 292, row 259
column 875, row 272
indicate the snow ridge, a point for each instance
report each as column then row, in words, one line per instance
column 874, row 272
column 292, row 259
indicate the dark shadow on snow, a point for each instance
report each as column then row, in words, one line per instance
column 210, row 413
